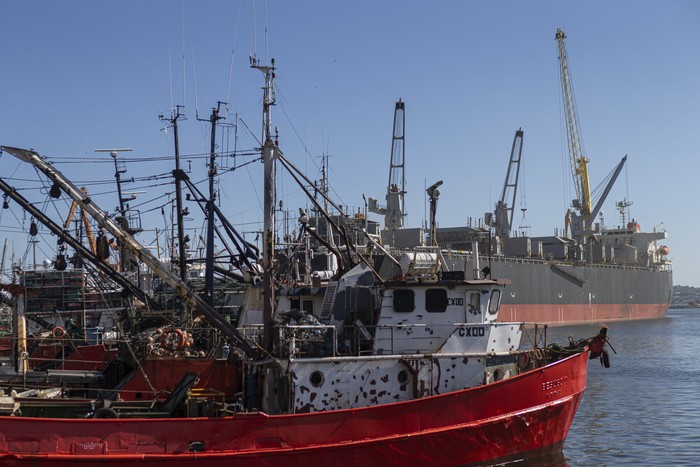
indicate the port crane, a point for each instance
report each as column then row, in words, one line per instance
column 394, row 213
column 502, row 218
column 579, row 162
column 582, row 218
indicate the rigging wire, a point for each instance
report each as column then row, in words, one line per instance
column 170, row 69
column 184, row 62
column 138, row 159
column 194, row 84
column 233, row 52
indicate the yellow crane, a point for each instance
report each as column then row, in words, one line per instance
column 579, row 161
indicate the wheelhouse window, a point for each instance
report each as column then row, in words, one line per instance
column 495, row 301
column 475, row 302
column 436, row 300
column 404, row 300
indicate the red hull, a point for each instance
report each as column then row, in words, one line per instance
column 566, row 314
column 529, row 412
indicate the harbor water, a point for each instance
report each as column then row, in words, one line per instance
column 645, row 408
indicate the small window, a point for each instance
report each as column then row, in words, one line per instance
column 495, row 301
column 475, row 302
column 435, row 300
column 404, row 300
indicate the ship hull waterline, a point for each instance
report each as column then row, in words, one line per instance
column 560, row 294
column 576, row 314
column 529, row 412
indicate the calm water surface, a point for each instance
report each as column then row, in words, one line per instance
column 645, row 409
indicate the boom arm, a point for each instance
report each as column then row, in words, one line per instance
column 86, row 222
column 504, row 209
column 579, row 162
column 396, row 189
column 127, row 241
column 606, row 192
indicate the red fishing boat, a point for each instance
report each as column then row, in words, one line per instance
column 531, row 411
column 360, row 369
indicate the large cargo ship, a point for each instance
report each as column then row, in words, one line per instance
column 555, row 280
column 585, row 273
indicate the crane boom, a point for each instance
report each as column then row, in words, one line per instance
column 579, row 162
column 396, row 188
column 127, row 241
column 86, row 222
column 505, row 207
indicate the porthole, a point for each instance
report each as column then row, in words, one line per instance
column 404, row 377
column 316, row 379
column 498, row 374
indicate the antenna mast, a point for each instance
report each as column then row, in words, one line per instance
column 209, row 271
column 120, row 168
column 179, row 175
column 269, row 150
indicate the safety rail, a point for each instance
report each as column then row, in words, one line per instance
column 357, row 339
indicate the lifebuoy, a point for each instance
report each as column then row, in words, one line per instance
column 172, row 339
column 58, row 332
column 523, row 361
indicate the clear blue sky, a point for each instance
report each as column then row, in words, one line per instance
column 83, row 75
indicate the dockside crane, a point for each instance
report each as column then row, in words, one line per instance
column 394, row 213
column 502, row 221
column 579, row 161
column 584, row 215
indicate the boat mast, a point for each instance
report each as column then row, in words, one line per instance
column 2, row 263
column 209, row 272
column 126, row 240
column 120, row 168
column 433, row 195
column 179, row 175
column 330, row 235
column 269, row 150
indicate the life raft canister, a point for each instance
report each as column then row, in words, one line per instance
column 172, row 339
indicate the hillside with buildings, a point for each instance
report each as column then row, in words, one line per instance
column 685, row 297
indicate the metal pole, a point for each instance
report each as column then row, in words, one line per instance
column 178, row 174
column 209, row 272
